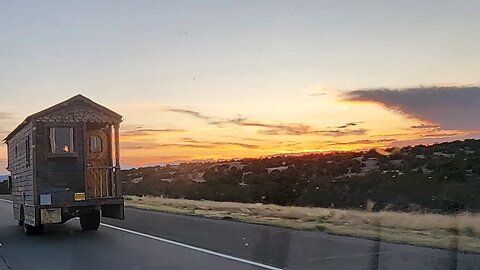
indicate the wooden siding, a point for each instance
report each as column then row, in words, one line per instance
column 62, row 176
column 23, row 192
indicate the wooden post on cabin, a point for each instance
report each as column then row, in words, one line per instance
column 118, row 186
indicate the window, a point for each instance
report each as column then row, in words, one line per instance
column 27, row 151
column 95, row 144
column 61, row 140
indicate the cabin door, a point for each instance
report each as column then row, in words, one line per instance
column 98, row 164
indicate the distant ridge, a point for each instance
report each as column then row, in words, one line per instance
column 438, row 178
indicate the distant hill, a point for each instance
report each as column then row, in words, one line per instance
column 439, row 178
column 4, row 189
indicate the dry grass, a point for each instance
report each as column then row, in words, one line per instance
column 461, row 232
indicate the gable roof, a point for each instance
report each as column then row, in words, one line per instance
column 61, row 105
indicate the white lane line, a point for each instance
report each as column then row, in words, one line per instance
column 233, row 258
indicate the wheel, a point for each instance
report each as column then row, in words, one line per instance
column 29, row 229
column 21, row 220
column 90, row 221
column 32, row 230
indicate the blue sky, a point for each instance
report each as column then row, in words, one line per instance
column 265, row 60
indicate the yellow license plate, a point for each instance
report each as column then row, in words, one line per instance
column 80, row 196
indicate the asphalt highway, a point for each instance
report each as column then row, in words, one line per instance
column 154, row 240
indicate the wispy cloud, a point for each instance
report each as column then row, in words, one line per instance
column 149, row 131
column 342, row 132
column 6, row 119
column 3, row 165
column 317, row 94
column 6, row 116
column 448, row 107
column 208, row 144
column 425, row 126
column 187, row 143
column 367, row 142
column 244, row 145
column 133, row 161
column 154, row 145
column 276, row 128
column 191, row 113
column 441, row 135
column 432, row 140
column 349, row 124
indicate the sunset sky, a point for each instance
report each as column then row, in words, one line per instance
column 225, row 79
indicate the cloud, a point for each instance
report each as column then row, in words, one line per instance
column 249, row 139
column 449, row 107
column 382, row 141
column 244, row 145
column 191, row 113
column 342, row 132
column 425, row 126
column 209, row 144
column 154, row 145
column 275, row 128
column 134, row 161
column 432, row 140
column 440, row 135
column 186, row 143
column 6, row 116
column 3, row 166
column 349, row 124
column 148, row 131
column 295, row 128
column 318, row 94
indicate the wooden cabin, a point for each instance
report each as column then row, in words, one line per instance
column 64, row 163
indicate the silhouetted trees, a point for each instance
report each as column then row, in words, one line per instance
column 439, row 178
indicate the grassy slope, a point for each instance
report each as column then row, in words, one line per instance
column 461, row 232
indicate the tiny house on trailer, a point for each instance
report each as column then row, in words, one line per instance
column 64, row 163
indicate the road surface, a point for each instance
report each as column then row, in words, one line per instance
column 154, row 240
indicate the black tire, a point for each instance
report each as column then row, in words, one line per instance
column 32, row 230
column 21, row 220
column 90, row 221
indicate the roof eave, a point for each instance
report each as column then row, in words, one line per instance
column 35, row 115
column 17, row 129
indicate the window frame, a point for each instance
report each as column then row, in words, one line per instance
column 28, row 151
column 73, row 143
column 90, row 144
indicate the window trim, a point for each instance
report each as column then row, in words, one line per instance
column 90, row 144
column 73, row 145
column 28, row 151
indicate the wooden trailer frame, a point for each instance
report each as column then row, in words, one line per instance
column 65, row 162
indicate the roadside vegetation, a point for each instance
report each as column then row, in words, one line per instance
column 4, row 188
column 442, row 178
column 422, row 195
column 453, row 231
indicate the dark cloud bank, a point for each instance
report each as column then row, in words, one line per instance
column 448, row 107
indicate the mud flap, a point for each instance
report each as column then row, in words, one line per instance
column 115, row 211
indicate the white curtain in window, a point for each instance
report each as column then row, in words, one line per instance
column 52, row 140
